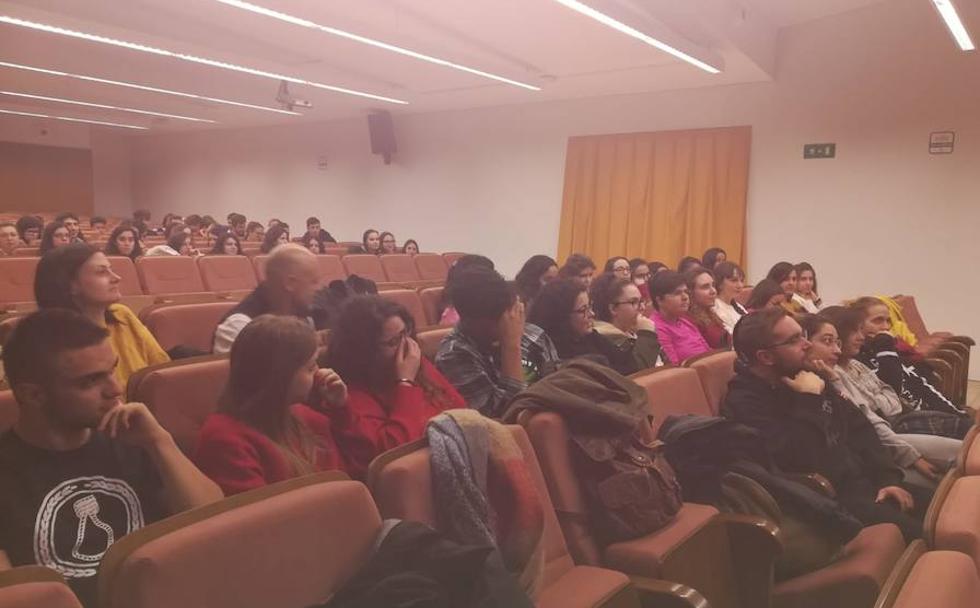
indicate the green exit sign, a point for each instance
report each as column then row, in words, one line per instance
column 819, row 151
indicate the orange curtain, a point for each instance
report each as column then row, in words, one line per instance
column 659, row 196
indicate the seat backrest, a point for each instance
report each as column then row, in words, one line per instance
column 715, row 369
column 430, row 339
column 431, row 296
column 27, row 251
column 35, row 587
column 7, row 325
column 450, row 257
column 910, row 311
column 191, row 325
column 409, row 298
column 227, row 272
column 17, row 279
column 673, row 390
column 330, row 269
column 431, row 267
column 401, row 482
column 399, row 267
column 129, row 281
column 8, row 410
column 259, row 262
column 288, row 545
column 930, row 578
column 169, row 274
column 181, row 394
column 365, row 265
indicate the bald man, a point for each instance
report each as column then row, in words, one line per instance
column 291, row 279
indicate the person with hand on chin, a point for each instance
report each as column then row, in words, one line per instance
column 808, row 428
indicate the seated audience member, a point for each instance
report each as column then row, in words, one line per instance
column 713, row 257
column 881, row 354
column 227, row 244
column 195, row 223
column 729, row 281
column 208, row 224
column 656, row 267
column 70, row 220
column 273, row 222
column 640, row 271
column 215, row 234
column 77, row 454
column 619, row 266
column 766, row 294
column 141, row 221
column 836, row 338
column 563, row 310
column 329, row 301
column 808, row 428
column 314, row 231
column 312, row 243
column 701, row 286
column 9, row 239
column 784, row 273
column 537, row 271
column 177, row 228
column 55, row 235
column 411, row 247
column 238, row 224
column 370, row 243
column 254, row 232
column 579, row 268
column 291, row 280
column 265, row 430
column 392, row 389
column 491, row 355
column 274, row 237
column 98, row 226
column 169, row 220
column 687, row 263
column 180, row 243
column 806, row 295
column 679, row 336
column 29, row 229
column 388, row 244
column 617, row 304
column 124, row 241
column 79, row 277
column 447, row 312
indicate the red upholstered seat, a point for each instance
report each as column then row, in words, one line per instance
column 431, row 296
column 429, row 340
column 673, row 390
column 169, row 274
column 258, row 262
column 400, row 268
column 129, row 281
column 35, row 587
column 227, row 272
column 17, row 279
column 451, row 257
column 934, row 578
column 366, row 266
column 408, row 298
column 715, row 370
column 330, row 268
column 191, row 325
column 431, row 267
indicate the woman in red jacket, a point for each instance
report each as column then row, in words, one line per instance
column 393, row 389
column 264, row 432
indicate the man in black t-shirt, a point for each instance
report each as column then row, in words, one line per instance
column 313, row 229
column 80, row 469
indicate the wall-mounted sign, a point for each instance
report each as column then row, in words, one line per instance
column 941, row 142
column 819, row 151
column 321, row 163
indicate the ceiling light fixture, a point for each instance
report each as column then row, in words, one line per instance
column 605, row 19
column 65, row 118
column 52, row 29
column 248, row 6
column 141, row 87
column 956, row 27
column 102, row 106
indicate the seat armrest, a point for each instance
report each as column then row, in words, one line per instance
column 965, row 340
column 755, row 544
column 656, row 593
column 815, row 482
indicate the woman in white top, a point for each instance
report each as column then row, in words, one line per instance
column 806, row 288
column 729, row 281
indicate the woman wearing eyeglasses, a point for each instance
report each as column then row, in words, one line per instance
column 701, row 285
column 679, row 337
column 618, row 303
column 563, row 310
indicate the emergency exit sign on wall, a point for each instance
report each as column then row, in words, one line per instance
column 819, row 151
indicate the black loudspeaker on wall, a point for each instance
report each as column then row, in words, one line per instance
column 382, row 131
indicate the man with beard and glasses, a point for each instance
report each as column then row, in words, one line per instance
column 808, row 428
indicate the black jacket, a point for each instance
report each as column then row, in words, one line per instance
column 595, row 345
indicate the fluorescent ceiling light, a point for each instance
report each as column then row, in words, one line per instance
column 248, row 6
column 191, row 58
column 101, row 106
column 956, row 27
column 141, row 87
column 605, row 19
column 65, row 118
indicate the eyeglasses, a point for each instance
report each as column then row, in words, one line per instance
column 829, row 341
column 395, row 341
column 791, row 341
column 642, row 275
column 621, row 269
column 634, row 302
column 584, row 311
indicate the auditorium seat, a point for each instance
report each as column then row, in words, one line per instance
column 8, row 410
column 169, row 274
column 17, row 279
column 930, row 343
column 431, row 267
column 451, row 257
column 191, row 325
column 409, row 298
column 291, row 544
column 7, row 324
column 952, row 522
column 330, row 269
column 129, row 281
column 226, row 272
column 35, row 587
column 430, row 339
column 673, row 390
column 715, row 369
column 181, row 394
column 27, row 252
column 366, row 266
column 431, row 297
column 930, row 579
column 335, row 249
column 259, row 262
column 400, row 268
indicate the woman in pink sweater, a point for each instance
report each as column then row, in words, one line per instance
column 679, row 337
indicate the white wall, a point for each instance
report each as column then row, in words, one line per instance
column 883, row 217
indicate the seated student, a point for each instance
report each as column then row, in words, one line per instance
column 388, row 244
column 491, row 355
column 679, row 336
column 392, row 389
column 411, row 247
column 806, row 295
column 196, row 223
column 640, row 271
column 98, row 226
column 265, row 429
column 141, row 221
column 729, row 281
column 70, row 220
column 370, row 243
column 124, row 241
column 563, row 310
column 254, row 233
column 701, row 286
column 810, row 429
column 29, row 229
column 291, row 280
column 180, row 243
column 836, row 339
column 617, row 303
column 537, row 271
column 274, row 237
column 687, row 263
column 238, row 224
column 273, row 222
column 784, row 273
column 314, row 231
column 880, row 353
column 579, row 268
column 208, row 226
column 227, row 244
column 9, row 240
column 619, row 266
column 55, row 235
column 312, row 243
column 80, row 469
column 79, row 277
column 712, row 257
column 447, row 312
column 766, row 294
